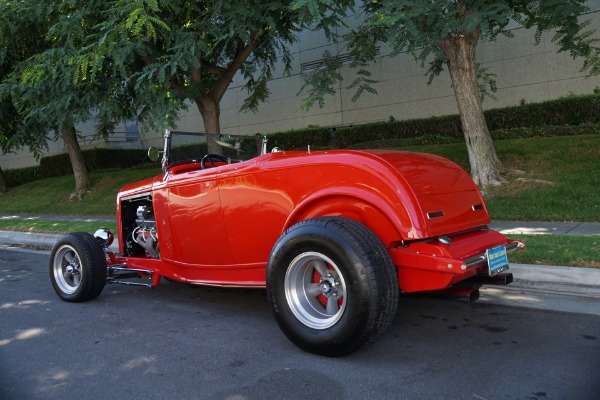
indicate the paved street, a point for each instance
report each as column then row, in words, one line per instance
column 182, row 342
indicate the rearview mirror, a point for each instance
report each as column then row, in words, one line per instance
column 154, row 153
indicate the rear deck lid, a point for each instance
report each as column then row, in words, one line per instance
column 448, row 198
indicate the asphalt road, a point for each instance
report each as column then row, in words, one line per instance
column 182, row 342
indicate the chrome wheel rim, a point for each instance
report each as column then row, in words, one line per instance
column 67, row 269
column 315, row 290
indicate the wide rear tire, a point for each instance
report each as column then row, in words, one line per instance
column 331, row 285
column 77, row 267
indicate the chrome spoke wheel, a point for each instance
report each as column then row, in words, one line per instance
column 67, row 269
column 315, row 290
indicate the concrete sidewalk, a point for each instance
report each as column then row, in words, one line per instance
column 546, row 228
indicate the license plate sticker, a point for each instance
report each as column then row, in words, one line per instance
column 497, row 260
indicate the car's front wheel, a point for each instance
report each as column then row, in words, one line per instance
column 77, row 267
column 332, row 285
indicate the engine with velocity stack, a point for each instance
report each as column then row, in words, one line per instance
column 139, row 227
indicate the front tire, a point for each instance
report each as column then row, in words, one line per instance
column 331, row 285
column 77, row 267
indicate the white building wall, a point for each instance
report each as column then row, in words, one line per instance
column 525, row 72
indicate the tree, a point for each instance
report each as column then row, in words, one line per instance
column 180, row 51
column 2, row 182
column 42, row 40
column 13, row 136
column 445, row 34
column 14, row 133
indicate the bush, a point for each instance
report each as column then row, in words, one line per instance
column 95, row 160
column 300, row 139
column 435, row 126
column 530, row 119
column 188, row 151
column 546, row 131
column 572, row 110
column 19, row 176
column 405, row 142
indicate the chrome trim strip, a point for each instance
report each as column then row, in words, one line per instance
column 480, row 258
column 128, row 283
column 224, row 285
column 125, row 269
column 473, row 261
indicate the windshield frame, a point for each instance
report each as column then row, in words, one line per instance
column 167, row 150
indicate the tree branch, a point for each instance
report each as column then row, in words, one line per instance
column 180, row 90
column 212, row 68
column 242, row 53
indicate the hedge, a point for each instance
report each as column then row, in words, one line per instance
column 567, row 111
column 95, row 160
column 435, row 126
column 19, row 176
column 499, row 134
column 546, row 131
column 300, row 139
column 572, row 110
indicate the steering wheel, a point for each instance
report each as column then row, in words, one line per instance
column 211, row 158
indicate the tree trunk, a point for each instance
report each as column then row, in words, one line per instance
column 462, row 65
column 211, row 113
column 209, row 104
column 2, row 183
column 82, row 177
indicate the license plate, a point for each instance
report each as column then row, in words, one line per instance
column 497, row 260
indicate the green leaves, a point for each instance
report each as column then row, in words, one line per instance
column 362, row 83
column 139, row 22
column 320, row 82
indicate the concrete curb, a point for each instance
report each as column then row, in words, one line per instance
column 36, row 239
column 28, row 238
column 52, row 217
column 559, row 279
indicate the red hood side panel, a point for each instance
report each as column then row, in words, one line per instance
column 144, row 186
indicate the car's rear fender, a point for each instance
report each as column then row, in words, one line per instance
column 391, row 224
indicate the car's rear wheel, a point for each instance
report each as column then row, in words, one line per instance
column 332, row 285
column 77, row 267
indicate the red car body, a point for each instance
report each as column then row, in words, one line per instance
column 334, row 236
column 218, row 225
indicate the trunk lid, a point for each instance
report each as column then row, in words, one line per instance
column 448, row 198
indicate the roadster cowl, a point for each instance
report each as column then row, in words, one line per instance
column 334, row 236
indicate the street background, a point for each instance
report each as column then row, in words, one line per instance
column 179, row 341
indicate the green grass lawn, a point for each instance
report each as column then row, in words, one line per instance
column 51, row 196
column 578, row 251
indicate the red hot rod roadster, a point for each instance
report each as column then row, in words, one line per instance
column 334, row 236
